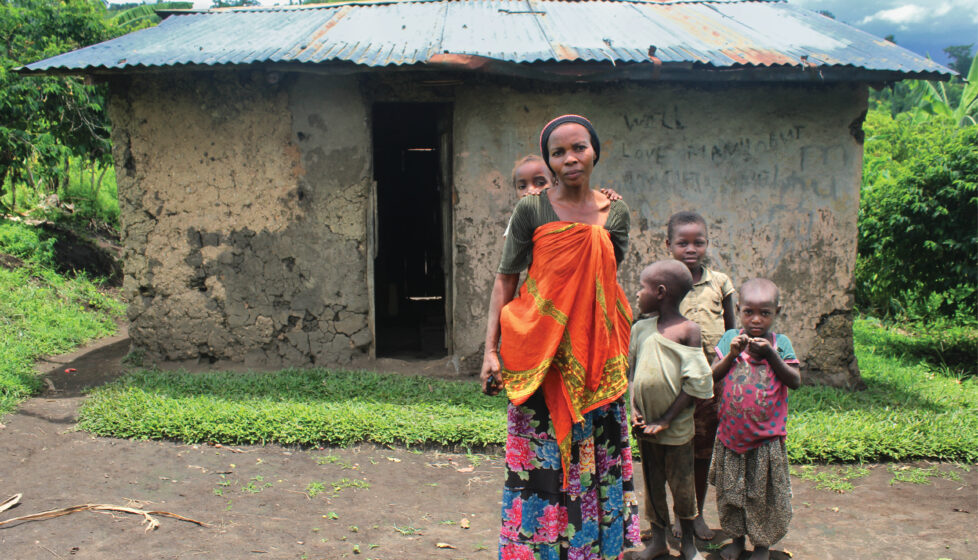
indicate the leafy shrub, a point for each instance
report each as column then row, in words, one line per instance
column 918, row 220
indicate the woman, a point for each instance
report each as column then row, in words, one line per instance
column 564, row 351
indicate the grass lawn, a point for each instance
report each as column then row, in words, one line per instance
column 911, row 409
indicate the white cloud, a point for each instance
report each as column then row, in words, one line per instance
column 906, row 14
column 902, row 16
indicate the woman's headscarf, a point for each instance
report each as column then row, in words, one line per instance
column 552, row 125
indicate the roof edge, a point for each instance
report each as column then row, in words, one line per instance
column 569, row 72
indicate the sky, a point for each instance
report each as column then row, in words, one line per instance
column 923, row 26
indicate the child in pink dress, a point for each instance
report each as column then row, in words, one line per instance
column 750, row 462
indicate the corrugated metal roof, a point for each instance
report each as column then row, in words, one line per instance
column 717, row 34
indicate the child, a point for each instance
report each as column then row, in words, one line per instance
column 667, row 373
column 531, row 176
column 710, row 305
column 750, row 464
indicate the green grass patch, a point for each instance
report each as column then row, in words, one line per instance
column 949, row 348
column 303, row 407
column 919, row 475
column 41, row 312
column 835, row 479
column 909, row 410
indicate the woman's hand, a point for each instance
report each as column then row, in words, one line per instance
column 610, row 193
column 491, row 381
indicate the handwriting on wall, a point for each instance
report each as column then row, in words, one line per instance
column 667, row 119
column 718, row 151
column 785, row 158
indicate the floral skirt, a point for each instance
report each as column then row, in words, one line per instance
column 596, row 516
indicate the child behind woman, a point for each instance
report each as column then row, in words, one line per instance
column 710, row 305
column 531, row 176
column 750, row 463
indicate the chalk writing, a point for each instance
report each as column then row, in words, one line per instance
column 656, row 154
column 668, row 119
column 722, row 150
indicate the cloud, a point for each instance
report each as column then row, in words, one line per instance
column 902, row 16
column 906, row 15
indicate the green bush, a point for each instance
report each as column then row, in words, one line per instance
column 918, row 220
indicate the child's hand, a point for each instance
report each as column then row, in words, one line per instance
column 638, row 422
column 760, row 347
column 655, row 427
column 738, row 344
column 610, row 193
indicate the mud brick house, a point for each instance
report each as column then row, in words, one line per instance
column 308, row 185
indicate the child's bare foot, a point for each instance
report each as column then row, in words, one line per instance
column 688, row 544
column 732, row 551
column 760, row 553
column 657, row 545
column 700, row 529
column 677, row 530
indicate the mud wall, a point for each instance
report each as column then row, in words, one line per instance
column 774, row 169
column 243, row 198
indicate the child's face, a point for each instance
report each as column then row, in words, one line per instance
column 648, row 302
column 531, row 178
column 757, row 313
column 688, row 244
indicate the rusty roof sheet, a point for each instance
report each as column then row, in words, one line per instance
column 692, row 34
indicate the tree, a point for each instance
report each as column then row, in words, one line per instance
column 43, row 118
column 960, row 57
column 918, row 218
column 131, row 17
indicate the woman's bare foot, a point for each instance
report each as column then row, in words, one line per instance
column 732, row 551
column 657, row 545
column 760, row 553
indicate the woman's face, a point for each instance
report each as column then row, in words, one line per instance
column 571, row 154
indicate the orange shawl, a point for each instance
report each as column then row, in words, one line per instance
column 568, row 329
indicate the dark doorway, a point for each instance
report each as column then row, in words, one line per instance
column 409, row 229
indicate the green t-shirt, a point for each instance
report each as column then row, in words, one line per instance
column 660, row 370
column 534, row 211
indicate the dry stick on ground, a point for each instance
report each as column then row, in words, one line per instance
column 151, row 522
column 10, row 502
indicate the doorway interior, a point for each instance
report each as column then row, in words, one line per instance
column 411, row 219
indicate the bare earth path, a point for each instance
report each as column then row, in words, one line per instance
column 372, row 502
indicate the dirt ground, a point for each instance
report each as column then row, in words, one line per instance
column 370, row 502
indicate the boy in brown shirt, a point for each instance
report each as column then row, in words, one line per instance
column 710, row 305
